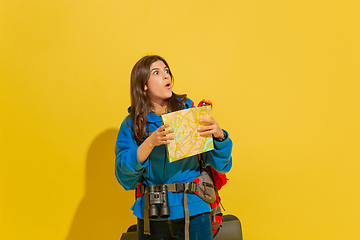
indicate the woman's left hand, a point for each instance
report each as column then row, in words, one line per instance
column 211, row 127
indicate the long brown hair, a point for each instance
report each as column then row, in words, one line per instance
column 140, row 101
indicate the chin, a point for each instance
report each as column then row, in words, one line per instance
column 169, row 95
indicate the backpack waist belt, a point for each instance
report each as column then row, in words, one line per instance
column 188, row 187
column 191, row 187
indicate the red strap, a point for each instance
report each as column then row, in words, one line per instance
column 219, row 179
column 137, row 191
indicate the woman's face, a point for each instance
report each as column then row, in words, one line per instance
column 158, row 86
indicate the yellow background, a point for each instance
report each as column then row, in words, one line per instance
column 283, row 77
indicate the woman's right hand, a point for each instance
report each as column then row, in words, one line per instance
column 161, row 136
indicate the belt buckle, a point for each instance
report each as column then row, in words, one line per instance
column 190, row 187
column 187, row 186
column 179, row 187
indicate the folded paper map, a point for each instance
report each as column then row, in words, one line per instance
column 187, row 140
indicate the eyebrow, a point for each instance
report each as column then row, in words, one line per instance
column 158, row 69
column 154, row 69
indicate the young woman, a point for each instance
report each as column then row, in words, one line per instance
column 141, row 153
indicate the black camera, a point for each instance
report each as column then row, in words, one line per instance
column 159, row 206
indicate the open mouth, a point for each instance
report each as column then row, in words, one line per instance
column 168, row 85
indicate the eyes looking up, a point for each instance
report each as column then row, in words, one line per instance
column 156, row 72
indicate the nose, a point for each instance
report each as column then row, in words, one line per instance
column 166, row 75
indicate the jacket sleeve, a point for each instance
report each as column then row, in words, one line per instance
column 128, row 170
column 220, row 158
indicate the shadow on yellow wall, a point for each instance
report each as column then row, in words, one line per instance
column 104, row 212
